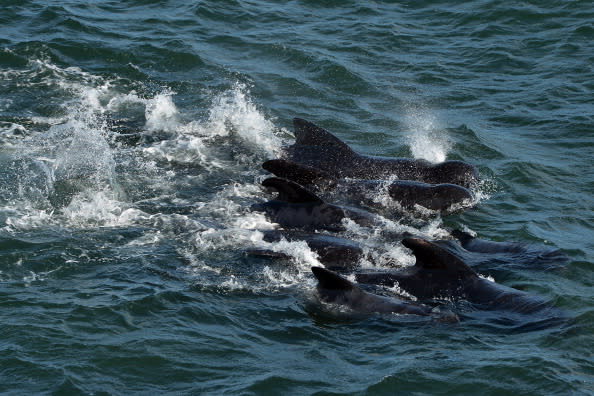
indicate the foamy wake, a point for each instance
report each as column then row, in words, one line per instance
column 232, row 114
column 69, row 173
column 66, row 171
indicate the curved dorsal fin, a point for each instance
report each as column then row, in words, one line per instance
column 308, row 133
column 462, row 236
column 298, row 173
column 431, row 256
column 289, row 191
column 330, row 280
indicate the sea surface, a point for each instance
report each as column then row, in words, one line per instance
column 132, row 135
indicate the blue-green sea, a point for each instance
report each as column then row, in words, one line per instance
column 132, row 135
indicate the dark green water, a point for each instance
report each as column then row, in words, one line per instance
column 131, row 138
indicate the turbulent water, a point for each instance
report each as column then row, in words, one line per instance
column 131, row 141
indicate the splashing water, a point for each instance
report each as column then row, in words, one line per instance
column 71, row 173
column 425, row 138
column 161, row 113
column 232, row 114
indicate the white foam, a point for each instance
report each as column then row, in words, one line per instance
column 185, row 150
column 302, row 255
column 126, row 102
column 95, row 208
column 234, row 284
column 231, row 115
column 434, row 230
column 469, row 231
column 161, row 113
column 71, row 158
column 25, row 217
column 398, row 291
column 80, row 150
column 386, row 256
column 234, row 112
column 487, row 277
column 10, row 129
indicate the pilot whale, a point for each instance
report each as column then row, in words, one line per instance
column 438, row 273
column 519, row 255
column 318, row 148
column 474, row 244
column 333, row 288
column 478, row 245
column 444, row 197
column 297, row 207
column 334, row 252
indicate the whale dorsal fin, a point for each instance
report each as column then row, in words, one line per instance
column 308, row 133
column 330, row 280
column 298, row 173
column 462, row 236
column 289, row 191
column 431, row 256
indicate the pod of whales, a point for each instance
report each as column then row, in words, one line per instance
column 320, row 163
column 318, row 148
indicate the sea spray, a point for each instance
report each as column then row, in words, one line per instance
column 427, row 140
column 232, row 114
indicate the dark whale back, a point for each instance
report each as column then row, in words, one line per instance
column 302, row 174
column 408, row 194
column 432, row 257
column 309, row 134
column 474, row 244
column 316, row 147
column 289, row 191
column 297, row 207
column 438, row 273
column 333, row 288
column 328, row 280
column 435, row 197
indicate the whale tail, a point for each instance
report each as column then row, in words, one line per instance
column 331, row 281
column 289, row 191
column 429, row 255
column 302, row 174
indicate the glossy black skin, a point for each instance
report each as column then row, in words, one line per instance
column 318, row 148
column 335, row 289
column 438, row 274
column 333, row 252
column 524, row 256
column 474, row 244
column 296, row 207
column 437, row 197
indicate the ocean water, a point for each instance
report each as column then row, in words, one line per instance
column 131, row 141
